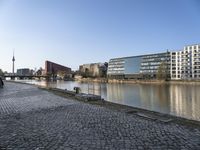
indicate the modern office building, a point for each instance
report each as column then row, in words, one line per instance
column 151, row 64
column 118, row 68
column 138, row 67
column 182, row 64
column 185, row 63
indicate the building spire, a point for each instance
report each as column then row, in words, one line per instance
column 13, row 60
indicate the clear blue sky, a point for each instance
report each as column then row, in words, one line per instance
column 74, row 32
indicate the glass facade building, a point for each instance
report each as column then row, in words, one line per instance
column 138, row 66
column 151, row 64
column 122, row 67
column 183, row 64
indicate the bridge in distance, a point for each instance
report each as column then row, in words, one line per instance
column 13, row 76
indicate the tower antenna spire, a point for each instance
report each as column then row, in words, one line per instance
column 13, row 60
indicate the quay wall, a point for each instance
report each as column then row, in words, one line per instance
column 133, row 81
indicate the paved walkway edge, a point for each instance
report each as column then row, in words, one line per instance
column 165, row 118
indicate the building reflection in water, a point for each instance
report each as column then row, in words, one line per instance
column 152, row 97
column 179, row 100
column 185, row 101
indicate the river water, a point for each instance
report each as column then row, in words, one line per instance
column 176, row 99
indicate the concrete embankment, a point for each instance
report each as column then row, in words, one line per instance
column 31, row 118
column 134, row 81
column 98, row 80
column 137, row 81
column 126, row 109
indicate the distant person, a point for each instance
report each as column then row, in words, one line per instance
column 1, row 83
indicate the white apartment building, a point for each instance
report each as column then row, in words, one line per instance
column 175, row 70
column 185, row 64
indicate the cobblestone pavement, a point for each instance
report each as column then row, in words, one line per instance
column 31, row 118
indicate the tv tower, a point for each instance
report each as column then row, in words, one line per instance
column 13, row 67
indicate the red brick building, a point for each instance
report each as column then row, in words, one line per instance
column 53, row 68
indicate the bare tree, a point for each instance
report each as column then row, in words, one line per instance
column 162, row 71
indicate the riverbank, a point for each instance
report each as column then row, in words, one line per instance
column 131, row 108
column 134, row 81
column 155, row 81
column 148, row 114
column 34, row 118
column 98, row 80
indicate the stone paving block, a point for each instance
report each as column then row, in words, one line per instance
column 31, row 118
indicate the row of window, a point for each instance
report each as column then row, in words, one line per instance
column 116, row 60
column 115, row 72
column 196, row 54
column 179, row 76
column 156, row 59
column 155, row 56
column 150, row 63
column 186, row 72
column 148, row 71
column 196, row 59
column 194, row 47
column 116, row 63
column 150, row 67
column 182, row 72
column 115, row 69
column 185, row 56
column 116, row 66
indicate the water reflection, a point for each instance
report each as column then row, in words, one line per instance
column 176, row 99
column 152, row 97
column 179, row 100
column 185, row 101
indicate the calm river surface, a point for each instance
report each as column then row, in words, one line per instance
column 175, row 99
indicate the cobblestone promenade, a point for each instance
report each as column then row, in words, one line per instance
column 31, row 118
